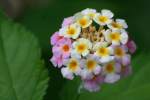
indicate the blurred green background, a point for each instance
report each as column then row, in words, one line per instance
column 45, row 17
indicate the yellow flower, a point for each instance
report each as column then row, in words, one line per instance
column 104, row 17
column 119, row 52
column 91, row 64
column 72, row 31
column 116, row 36
column 82, row 46
column 109, row 68
column 91, row 67
column 104, row 52
column 118, row 24
column 73, row 65
column 84, row 22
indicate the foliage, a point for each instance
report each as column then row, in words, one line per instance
column 22, row 72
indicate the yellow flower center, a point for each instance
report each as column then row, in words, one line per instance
column 110, row 68
column 103, row 19
column 71, row 31
column 103, row 51
column 91, row 64
column 116, row 25
column 119, row 52
column 83, row 22
column 73, row 65
column 115, row 36
column 65, row 48
column 81, row 48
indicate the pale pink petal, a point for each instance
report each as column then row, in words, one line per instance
column 55, row 38
column 132, row 46
column 65, row 41
column 67, row 21
column 66, row 55
column 85, row 74
column 67, row 73
column 57, row 60
column 111, row 78
column 93, row 85
column 60, row 61
column 78, row 71
column 97, row 70
column 126, row 60
column 56, row 49
column 117, row 68
column 54, row 61
column 82, row 63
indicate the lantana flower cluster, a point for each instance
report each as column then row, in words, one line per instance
column 93, row 46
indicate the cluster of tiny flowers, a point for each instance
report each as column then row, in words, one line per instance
column 93, row 46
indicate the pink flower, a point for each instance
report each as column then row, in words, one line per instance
column 93, row 85
column 57, row 60
column 63, row 47
column 132, row 46
column 56, row 38
column 67, row 21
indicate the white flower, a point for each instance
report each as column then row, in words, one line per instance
column 90, row 66
column 84, row 21
column 104, row 52
column 116, row 36
column 104, row 17
column 72, row 31
column 82, row 47
column 118, row 24
column 73, row 67
column 89, row 12
column 111, row 71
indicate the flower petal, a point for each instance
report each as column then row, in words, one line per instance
column 126, row 60
column 67, row 73
column 67, row 21
column 111, row 78
column 117, row 68
column 122, row 22
column 107, row 13
column 91, row 86
column 132, row 46
column 106, row 59
column 97, row 70
column 85, row 74
column 124, row 37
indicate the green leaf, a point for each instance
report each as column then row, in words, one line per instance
column 140, row 93
column 70, row 90
column 22, row 73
